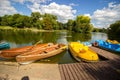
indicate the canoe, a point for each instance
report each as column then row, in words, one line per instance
column 82, row 53
column 108, row 46
column 13, row 52
column 42, row 53
column 4, row 45
column 112, row 41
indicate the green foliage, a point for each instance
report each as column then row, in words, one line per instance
column 82, row 24
column 114, row 28
column 36, row 20
column 49, row 22
column 70, row 24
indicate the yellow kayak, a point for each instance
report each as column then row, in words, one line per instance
column 82, row 52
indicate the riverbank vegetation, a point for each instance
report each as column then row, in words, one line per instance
column 45, row 22
column 42, row 22
column 114, row 31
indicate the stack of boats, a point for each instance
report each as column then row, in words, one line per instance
column 28, row 54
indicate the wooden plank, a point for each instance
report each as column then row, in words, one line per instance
column 65, row 73
column 85, row 72
column 62, row 72
column 71, row 77
column 73, row 72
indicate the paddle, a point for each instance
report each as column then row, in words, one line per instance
column 35, row 44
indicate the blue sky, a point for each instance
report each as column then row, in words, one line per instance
column 101, row 12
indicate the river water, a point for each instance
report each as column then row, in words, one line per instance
column 23, row 38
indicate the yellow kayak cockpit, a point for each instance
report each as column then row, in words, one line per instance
column 83, row 52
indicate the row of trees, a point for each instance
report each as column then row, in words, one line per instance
column 99, row 30
column 36, row 20
column 47, row 21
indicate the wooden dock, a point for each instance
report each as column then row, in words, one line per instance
column 102, row 70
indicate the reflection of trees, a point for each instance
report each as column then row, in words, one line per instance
column 113, row 37
column 49, row 37
column 23, row 37
column 20, row 37
column 79, row 36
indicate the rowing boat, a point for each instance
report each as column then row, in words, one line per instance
column 82, row 53
column 13, row 52
column 42, row 53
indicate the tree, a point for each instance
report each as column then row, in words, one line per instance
column 114, row 28
column 82, row 24
column 70, row 24
column 49, row 22
column 35, row 16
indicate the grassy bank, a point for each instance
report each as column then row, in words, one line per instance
column 29, row 29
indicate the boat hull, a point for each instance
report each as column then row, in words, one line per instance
column 12, row 53
column 37, row 55
column 82, row 55
column 108, row 46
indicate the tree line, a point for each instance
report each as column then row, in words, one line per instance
column 46, row 21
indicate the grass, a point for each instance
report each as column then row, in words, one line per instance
column 29, row 29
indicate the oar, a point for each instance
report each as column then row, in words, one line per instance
column 35, row 44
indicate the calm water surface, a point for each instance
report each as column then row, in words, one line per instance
column 23, row 38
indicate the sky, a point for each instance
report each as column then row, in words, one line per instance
column 102, row 12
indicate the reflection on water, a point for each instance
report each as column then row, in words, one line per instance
column 98, row 36
column 23, row 38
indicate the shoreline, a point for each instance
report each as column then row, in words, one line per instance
column 29, row 29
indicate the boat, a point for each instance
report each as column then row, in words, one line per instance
column 82, row 53
column 108, row 46
column 112, row 41
column 42, row 53
column 13, row 52
column 4, row 45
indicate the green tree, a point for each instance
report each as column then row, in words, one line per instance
column 114, row 28
column 70, row 24
column 49, row 22
column 82, row 24
column 35, row 16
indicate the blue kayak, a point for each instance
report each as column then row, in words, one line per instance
column 4, row 46
column 109, row 46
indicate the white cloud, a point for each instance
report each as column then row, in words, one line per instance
column 106, row 16
column 6, row 8
column 63, row 12
column 32, row 1
column 87, row 15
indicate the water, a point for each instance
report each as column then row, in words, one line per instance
column 23, row 38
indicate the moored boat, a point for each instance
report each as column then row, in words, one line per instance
column 108, row 46
column 82, row 52
column 112, row 41
column 42, row 53
column 13, row 52
column 4, row 45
